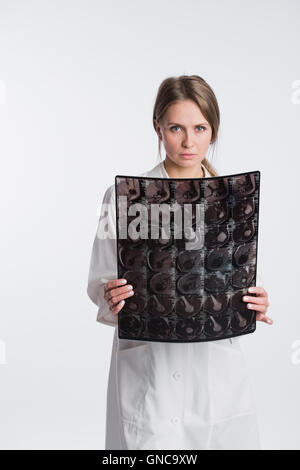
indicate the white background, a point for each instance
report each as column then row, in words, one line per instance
column 78, row 80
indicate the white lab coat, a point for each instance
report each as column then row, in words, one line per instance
column 170, row 395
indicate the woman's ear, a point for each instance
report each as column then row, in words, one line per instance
column 157, row 128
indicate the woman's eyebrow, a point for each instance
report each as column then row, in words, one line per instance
column 176, row 124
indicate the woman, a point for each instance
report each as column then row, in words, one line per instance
column 174, row 395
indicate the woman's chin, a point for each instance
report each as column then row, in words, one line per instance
column 195, row 161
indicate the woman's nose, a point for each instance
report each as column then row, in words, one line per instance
column 187, row 141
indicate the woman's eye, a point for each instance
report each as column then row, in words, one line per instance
column 173, row 127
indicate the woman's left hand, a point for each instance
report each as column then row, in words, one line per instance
column 260, row 303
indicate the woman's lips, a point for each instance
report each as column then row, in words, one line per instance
column 187, row 156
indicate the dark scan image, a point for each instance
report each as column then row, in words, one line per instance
column 188, row 246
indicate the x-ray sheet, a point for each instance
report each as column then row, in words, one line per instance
column 188, row 246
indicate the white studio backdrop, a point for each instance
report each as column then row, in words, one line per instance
column 78, row 81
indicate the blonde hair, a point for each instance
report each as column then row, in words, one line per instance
column 193, row 87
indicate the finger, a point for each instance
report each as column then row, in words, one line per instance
column 114, row 283
column 257, row 308
column 115, row 310
column 264, row 318
column 256, row 300
column 257, row 290
column 117, row 291
column 115, row 300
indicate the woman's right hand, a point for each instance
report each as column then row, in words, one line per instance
column 115, row 292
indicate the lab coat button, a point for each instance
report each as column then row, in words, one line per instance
column 176, row 375
column 175, row 420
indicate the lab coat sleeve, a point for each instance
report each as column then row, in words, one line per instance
column 103, row 261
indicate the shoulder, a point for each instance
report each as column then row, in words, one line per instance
column 109, row 193
column 110, row 190
column 148, row 172
column 156, row 171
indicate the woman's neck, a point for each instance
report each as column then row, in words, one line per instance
column 175, row 171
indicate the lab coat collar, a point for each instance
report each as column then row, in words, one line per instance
column 160, row 171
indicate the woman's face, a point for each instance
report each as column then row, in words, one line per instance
column 184, row 130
